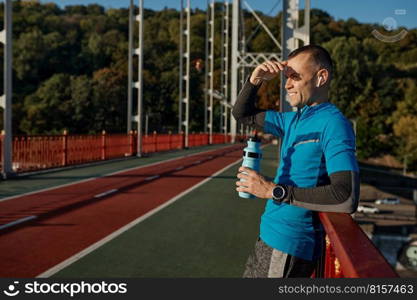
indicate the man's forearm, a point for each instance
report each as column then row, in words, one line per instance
column 245, row 110
column 341, row 195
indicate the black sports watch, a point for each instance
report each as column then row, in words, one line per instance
column 279, row 192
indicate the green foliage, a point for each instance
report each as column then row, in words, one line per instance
column 366, row 90
column 109, row 106
column 405, row 128
column 49, row 107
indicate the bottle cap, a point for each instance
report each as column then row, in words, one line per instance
column 254, row 139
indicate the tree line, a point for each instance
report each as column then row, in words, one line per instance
column 70, row 72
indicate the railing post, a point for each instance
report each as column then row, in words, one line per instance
column 65, row 148
column 170, row 140
column 47, row 152
column 328, row 266
column 333, row 268
column 2, row 133
column 135, row 141
column 131, row 149
column 155, row 141
column 103, row 145
column 182, row 139
column 337, row 268
column 19, row 151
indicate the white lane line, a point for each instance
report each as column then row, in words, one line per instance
column 197, row 162
column 179, row 168
column 152, row 177
column 118, row 232
column 110, row 174
column 16, row 222
column 106, row 193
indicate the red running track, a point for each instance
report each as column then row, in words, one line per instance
column 71, row 218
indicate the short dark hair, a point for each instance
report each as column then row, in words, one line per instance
column 320, row 56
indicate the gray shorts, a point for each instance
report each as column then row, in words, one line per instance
column 267, row 262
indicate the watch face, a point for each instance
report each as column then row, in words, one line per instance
column 278, row 192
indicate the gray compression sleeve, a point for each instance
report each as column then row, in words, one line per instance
column 245, row 110
column 341, row 195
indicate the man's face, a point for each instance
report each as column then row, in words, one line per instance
column 301, row 79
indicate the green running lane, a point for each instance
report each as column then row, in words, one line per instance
column 208, row 232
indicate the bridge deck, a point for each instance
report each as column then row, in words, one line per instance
column 207, row 232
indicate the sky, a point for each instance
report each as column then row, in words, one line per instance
column 404, row 12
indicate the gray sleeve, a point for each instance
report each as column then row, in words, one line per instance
column 245, row 110
column 341, row 195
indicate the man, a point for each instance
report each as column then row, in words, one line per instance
column 317, row 171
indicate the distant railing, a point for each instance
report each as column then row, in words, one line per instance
column 349, row 253
column 38, row 152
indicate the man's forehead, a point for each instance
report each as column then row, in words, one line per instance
column 301, row 63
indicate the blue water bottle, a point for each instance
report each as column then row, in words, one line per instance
column 252, row 155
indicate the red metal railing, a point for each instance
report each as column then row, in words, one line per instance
column 31, row 153
column 198, row 139
column 348, row 252
column 161, row 142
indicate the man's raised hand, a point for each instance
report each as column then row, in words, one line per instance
column 267, row 71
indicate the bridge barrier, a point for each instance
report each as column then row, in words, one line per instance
column 39, row 152
column 348, row 252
